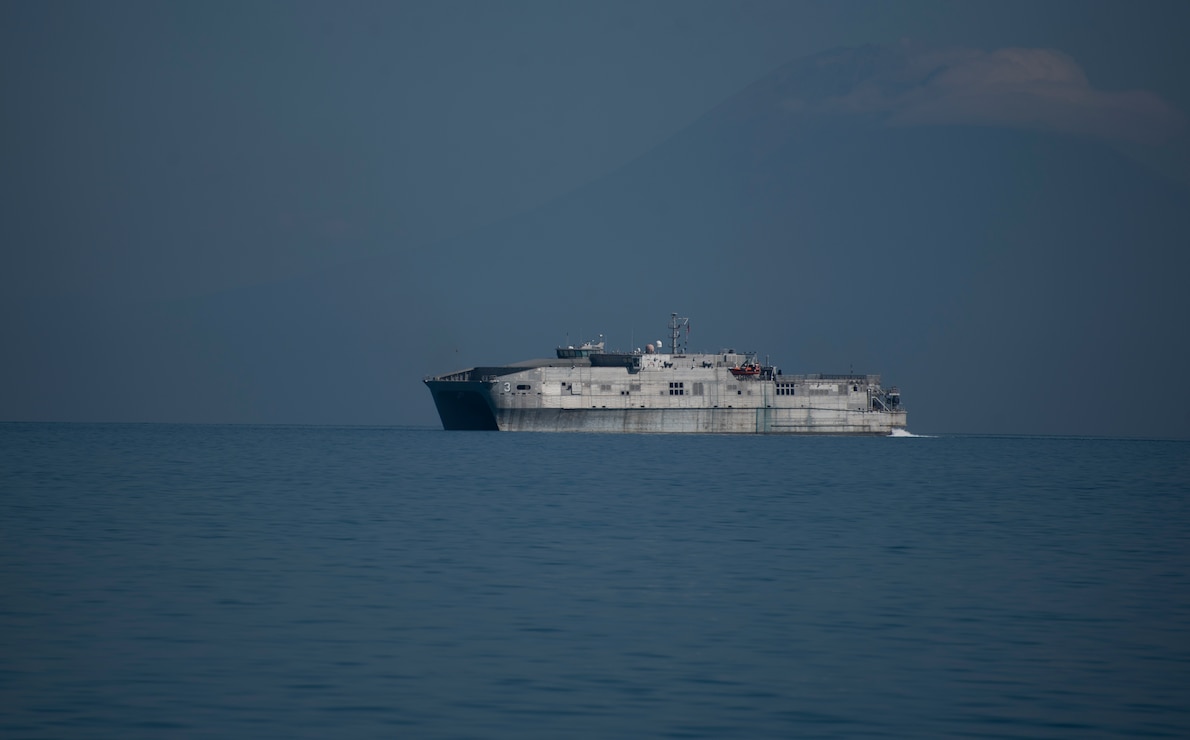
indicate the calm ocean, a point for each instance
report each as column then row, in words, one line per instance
column 203, row 581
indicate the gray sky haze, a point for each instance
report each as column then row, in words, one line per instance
column 290, row 212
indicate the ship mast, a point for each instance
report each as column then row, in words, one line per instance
column 675, row 324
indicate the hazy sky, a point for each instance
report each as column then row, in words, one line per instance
column 163, row 163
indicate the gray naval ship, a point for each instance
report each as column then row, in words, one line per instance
column 585, row 389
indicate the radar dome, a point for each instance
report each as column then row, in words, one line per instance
column 648, row 349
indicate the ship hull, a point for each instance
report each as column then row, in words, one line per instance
column 661, row 394
column 464, row 406
column 699, row 421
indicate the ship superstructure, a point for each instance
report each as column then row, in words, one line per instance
column 585, row 389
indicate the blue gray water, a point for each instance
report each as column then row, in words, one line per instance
column 194, row 581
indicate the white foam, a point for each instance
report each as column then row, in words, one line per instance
column 907, row 433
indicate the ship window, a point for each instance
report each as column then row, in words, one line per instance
column 677, row 389
column 522, row 387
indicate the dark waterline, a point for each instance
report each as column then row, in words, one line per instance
column 302, row 581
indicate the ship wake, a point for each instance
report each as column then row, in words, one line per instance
column 906, row 433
